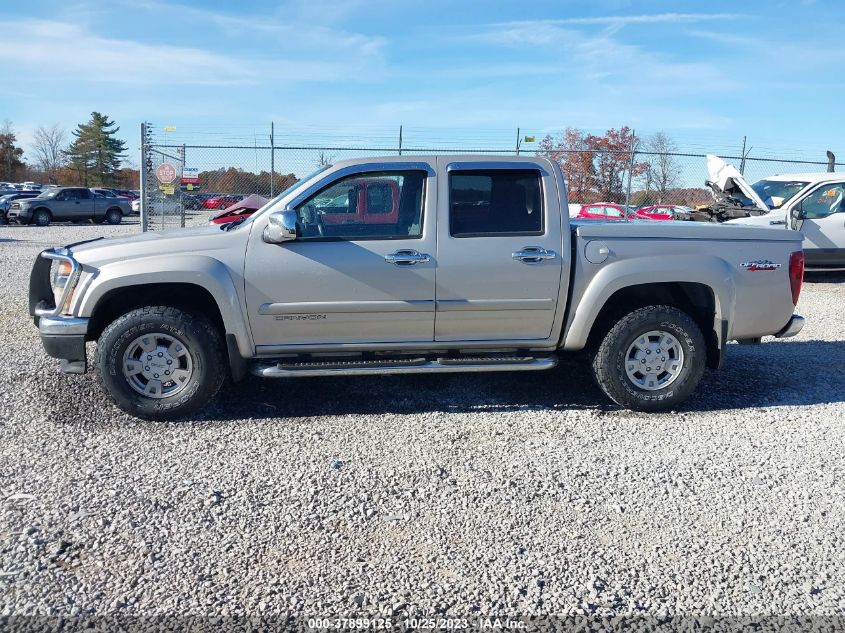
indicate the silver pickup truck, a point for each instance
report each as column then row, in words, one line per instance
column 462, row 264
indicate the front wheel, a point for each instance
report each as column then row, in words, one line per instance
column 161, row 363
column 652, row 359
column 41, row 217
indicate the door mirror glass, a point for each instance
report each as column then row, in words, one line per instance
column 797, row 213
column 281, row 227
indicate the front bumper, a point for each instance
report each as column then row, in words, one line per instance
column 63, row 337
column 795, row 325
column 19, row 214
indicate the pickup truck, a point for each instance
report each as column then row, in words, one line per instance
column 481, row 270
column 69, row 204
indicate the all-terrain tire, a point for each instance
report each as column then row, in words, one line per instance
column 610, row 362
column 206, row 354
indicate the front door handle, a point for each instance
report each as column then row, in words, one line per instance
column 407, row 257
column 533, row 254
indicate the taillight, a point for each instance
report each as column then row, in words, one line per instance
column 796, row 274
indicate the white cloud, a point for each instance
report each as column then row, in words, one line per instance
column 622, row 20
column 57, row 50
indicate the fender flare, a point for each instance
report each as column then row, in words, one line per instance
column 710, row 271
column 199, row 270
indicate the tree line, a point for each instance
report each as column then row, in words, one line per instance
column 598, row 168
column 93, row 156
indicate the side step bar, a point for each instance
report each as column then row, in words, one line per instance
column 404, row 366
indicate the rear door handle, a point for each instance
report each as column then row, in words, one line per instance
column 407, row 257
column 533, row 254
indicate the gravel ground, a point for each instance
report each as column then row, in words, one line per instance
column 460, row 494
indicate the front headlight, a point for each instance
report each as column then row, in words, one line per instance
column 63, row 278
column 59, row 277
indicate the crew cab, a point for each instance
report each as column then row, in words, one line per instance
column 68, row 204
column 479, row 270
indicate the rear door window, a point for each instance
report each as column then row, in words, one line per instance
column 495, row 202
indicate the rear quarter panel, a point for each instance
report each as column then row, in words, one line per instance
column 753, row 303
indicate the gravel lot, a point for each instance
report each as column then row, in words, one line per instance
column 497, row 494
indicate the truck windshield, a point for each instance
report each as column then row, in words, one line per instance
column 296, row 185
column 777, row 192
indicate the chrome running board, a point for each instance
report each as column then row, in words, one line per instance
column 404, row 366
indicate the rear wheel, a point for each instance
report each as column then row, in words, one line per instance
column 161, row 363
column 652, row 359
column 114, row 216
column 41, row 217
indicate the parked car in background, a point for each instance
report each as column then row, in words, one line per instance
column 665, row 212
column 68, row 204
column 602, row 211
column 135, row 206
column 221, row 201
column 7, row 199
column 127, row 193
column 239, row 210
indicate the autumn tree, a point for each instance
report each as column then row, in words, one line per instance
column 11, row 163
column 48, row 146
column 595, row 167
column 613, row 161
column 96, row 152
column 570, row 151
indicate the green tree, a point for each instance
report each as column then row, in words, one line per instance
column 10, row 154
column 96, row 152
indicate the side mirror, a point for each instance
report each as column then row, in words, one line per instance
column 281, row 227
column 798, row 211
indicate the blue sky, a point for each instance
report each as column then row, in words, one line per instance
column 705, row 72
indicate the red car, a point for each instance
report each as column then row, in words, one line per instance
column 666, row 212
column 611, row 211
column 604, row 211
column 220, row 201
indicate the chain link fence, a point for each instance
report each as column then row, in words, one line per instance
column 187, row 183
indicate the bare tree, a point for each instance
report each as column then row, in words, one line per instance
column 324, row 160
column 663, row 171
column 48, row 146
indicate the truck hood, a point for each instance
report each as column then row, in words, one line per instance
column 205, row 239
column 725, row 179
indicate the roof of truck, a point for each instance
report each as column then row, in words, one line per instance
column 812, row 176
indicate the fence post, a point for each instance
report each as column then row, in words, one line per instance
column 400, row 140
column 272, row 158
column 630, row 171
column 517, row 141
column 742, row 161
column 181, row 193
column 143, row 183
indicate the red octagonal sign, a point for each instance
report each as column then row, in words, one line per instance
column 166, row 173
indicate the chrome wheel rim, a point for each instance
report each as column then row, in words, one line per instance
column 654, row 360
column 157, row 365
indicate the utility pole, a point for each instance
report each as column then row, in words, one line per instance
column 272, row 159
column 143, row 183
column 630, row 171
